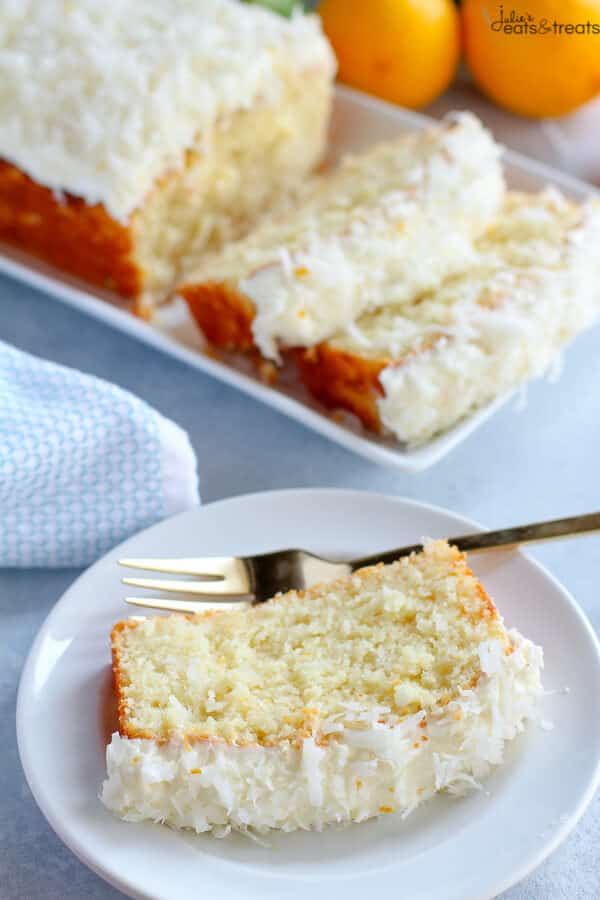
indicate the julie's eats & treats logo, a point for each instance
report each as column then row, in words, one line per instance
column 520, row 22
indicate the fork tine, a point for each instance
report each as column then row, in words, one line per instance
column 202, row 567
column 182, row 606
column 224, row 588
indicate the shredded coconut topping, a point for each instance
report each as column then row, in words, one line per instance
column 101, row 100
column 385, row 226
column 533, row 284
column 364, row 771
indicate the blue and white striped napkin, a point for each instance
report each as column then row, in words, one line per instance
column 83, row 464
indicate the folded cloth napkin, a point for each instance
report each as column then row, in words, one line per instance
column 83, row 464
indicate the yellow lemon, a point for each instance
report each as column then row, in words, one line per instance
column 534, row 57
column 405, row 51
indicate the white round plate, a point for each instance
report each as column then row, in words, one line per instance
column 466, row 849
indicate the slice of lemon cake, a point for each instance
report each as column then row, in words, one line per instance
column 356, row 698
column 134, row 134
column 416, row 369
column 399, row 217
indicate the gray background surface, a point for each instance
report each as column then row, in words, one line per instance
column 520, row 466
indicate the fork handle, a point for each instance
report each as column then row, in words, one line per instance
column 503, row 537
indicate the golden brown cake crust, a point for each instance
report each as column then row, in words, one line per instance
column 119, row 680
column 342, row 380
column 223, row 314
column 338, row 379
column 81, row 239
column 225, row 318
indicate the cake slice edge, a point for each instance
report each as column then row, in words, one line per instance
column 366, row 770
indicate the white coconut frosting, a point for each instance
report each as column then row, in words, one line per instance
column 372, row 764
column 386, row 225
column 101, row 99
column 436, row 193
column 306, row 297
column 534, row 284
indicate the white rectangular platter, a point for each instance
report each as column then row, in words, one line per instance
column 358, row 120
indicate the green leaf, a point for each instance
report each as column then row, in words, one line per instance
column 283, row 7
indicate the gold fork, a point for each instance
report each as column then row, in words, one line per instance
column 257, row 578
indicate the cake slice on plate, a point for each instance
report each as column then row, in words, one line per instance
column 355, row 699
column 134, row 135
column 415, row 369
column 392, row 221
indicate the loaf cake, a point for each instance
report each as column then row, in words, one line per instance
column 393, row 221
column 135, row 133
column 416, row 369
column 354, row 699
